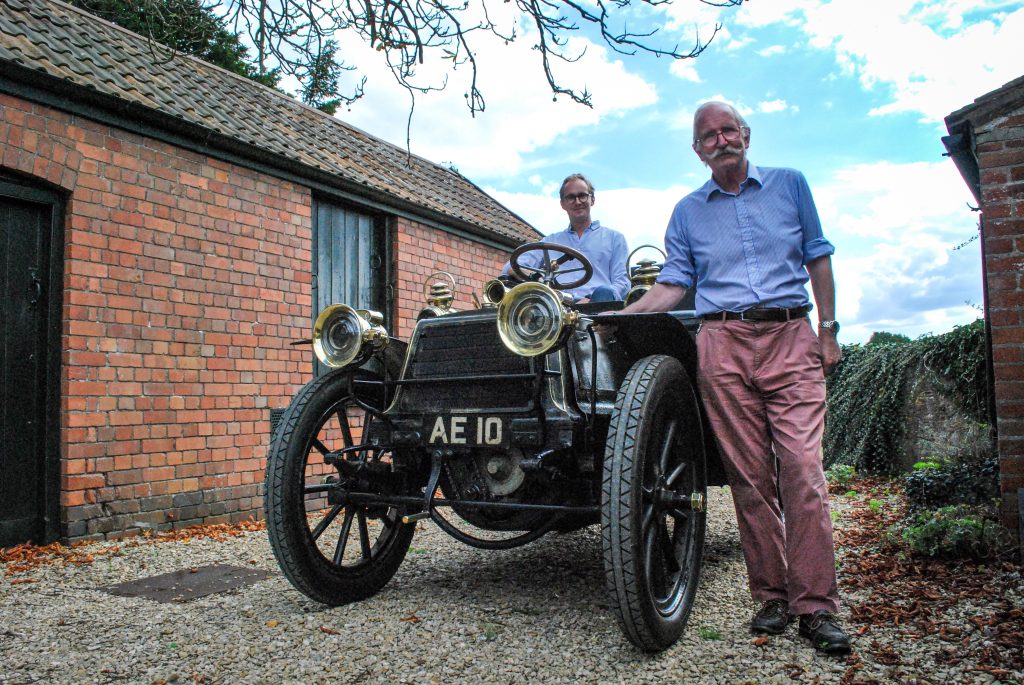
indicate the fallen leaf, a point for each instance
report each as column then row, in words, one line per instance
column 272, row 623
column 329, row 631
column 411, row 618
column 760, row 641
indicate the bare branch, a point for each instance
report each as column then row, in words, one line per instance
column 291, row 34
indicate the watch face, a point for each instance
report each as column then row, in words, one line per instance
column 829, row 325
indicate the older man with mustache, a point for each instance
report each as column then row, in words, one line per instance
column 749, row 240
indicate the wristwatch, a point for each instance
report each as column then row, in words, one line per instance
column 829, row 325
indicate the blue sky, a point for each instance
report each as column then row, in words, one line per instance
column 852, row 93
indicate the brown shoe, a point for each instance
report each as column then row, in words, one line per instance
column 772, row 618
column 823, row 630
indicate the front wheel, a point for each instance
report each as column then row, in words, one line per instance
column 333, row 553
column 652, row 502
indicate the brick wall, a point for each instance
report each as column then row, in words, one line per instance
column 420, row 251
column 185, row 278
column 1000, row 152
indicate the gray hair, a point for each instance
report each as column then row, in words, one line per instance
column 722, row 105
column 576, row 177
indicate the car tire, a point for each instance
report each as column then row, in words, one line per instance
column 314, row 552
column 652, row 502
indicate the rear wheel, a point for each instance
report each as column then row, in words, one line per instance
column 333, row 553
column 652, row 502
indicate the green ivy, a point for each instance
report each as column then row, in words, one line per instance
column 953, row 532
column 869, row 389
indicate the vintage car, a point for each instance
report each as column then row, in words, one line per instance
column 501, row 424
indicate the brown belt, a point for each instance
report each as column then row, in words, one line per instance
column 760, row 315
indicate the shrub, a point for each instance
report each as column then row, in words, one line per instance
column 973, row 481
column 953, row 532
column 926, row 465
column 840, row 475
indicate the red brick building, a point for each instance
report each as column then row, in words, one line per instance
column 169, row 229
column 986, row 142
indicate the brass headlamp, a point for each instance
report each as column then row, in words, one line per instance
column 494, row 292
column 343, row 336
column 533, row 319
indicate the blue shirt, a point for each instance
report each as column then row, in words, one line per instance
column 605, row 248
column 747, row 249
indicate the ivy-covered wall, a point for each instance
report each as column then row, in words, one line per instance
column 893, row 403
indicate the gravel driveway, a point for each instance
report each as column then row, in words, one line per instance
column 452, row 614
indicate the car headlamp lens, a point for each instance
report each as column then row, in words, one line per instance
column 532, row 320
column 344, row 336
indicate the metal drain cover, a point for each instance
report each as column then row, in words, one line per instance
column 188, row 584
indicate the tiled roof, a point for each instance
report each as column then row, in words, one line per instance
column 103, row 59
column 995, row 103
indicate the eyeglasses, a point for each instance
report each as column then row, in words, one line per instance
column 730, row 133
column 578, row 197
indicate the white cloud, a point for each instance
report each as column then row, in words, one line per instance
column 772, row 106
column 686, row 69
column 737, row 44
column 933, row 58
column 772, row 50
column 520, row 115
column 895, row 227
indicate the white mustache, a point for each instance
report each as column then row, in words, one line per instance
column 727, row 150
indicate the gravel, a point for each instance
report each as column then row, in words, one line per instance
column 452, row 614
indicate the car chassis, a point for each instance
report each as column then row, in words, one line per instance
column 500, row 425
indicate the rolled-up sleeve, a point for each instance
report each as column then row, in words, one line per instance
column 814, row 242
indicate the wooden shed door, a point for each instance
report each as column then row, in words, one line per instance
column 351, row 261
column 29, row 463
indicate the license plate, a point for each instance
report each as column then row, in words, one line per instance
column 456, row 429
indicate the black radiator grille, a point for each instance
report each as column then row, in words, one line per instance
column 448, row 352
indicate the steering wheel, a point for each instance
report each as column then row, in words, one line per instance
column 551, row 266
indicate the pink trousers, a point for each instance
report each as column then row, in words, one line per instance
column 764, row 391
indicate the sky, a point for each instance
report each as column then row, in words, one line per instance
column 851, row 93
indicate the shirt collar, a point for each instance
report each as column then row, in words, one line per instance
column 712, row 187
column 594, row 225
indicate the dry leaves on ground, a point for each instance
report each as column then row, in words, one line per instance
column 924, row 596
column 26, row 557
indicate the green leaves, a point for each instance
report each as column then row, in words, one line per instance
column 707, row 633
column 954, row 532
column 869, row 392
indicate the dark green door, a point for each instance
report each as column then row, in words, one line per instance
column 350, row 261
column 29, row 463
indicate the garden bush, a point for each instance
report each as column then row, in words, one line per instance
column 972, row 481
column 953, row 532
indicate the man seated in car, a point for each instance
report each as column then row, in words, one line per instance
column 605, row 247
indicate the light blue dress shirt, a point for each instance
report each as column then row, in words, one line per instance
column 747, row 249
column 605, row 248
